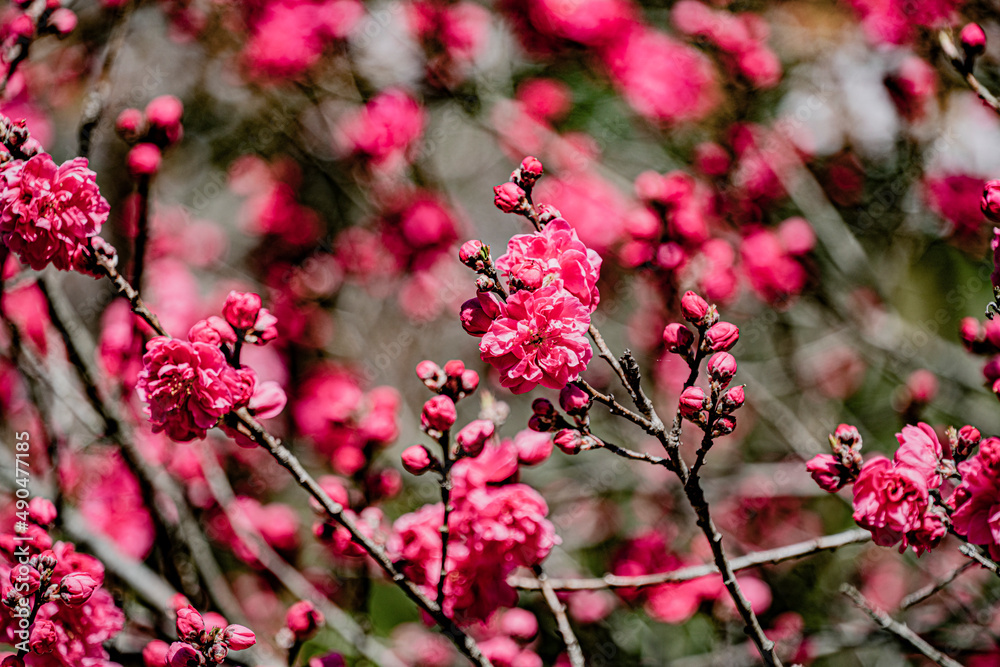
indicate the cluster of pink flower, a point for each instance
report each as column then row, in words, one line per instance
column 201, row 640
column 190, row 385
column 384, row 133
column 150, row 132
column 903, row 500
column 494, row 524
column 56, row 612
column 536, row 335
column 451, row 34
column 51, row 214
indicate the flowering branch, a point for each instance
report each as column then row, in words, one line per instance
column 901, row 630
column 756, row 559
column 576, row 658
column 964, row 67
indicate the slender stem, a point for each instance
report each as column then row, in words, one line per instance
column 901, row 630
column 446, row 502
column 919, row 596
column 630, row 454
column 958, row 62
column 142, row 231
column 756, row 559
column 617, row 408
column 576, row 658
column 975, row 554
column 605, row 353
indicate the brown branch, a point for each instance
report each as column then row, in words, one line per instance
column 975, row 554
column 900, row 630
column 919, row 596
column 756, row 559
column 576, row 658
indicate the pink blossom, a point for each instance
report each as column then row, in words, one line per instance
column 956, row 198
column 386, row 131
column 545, row 99
column 539, row 339
column 188, row 387
column 890, row 500
column 920, row 450
column 976, row 500
column 553, row 255
column 48, row 213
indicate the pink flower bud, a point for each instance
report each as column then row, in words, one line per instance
column 722, row 337
column 43, row 637
column 143, row 160
column 130, row 124
column 438, row 414
column 973, row 40
column 431, row 375
column 569, row 441
column 164, row 114
column 509, row 197
column 12, row 661
column 547, row 213
column 63, row 21
column 213, row 331
column 239, row 637
column 724, row 425
column 268, row 400
column 469, row 381
column 22, row 26
column 76, row 588
column 532, row 447
column 473, row 253
column 970, row 333
column 190, row 624
column 721, row 368
column 846, row 436
column 827, row 471
column 519, row 624
column 155, row 654
column 692, row 402
column 241, row 309
column 42, row 511
column 454, row 368
column 473, row 436
column 477, row 314
column 694, row 307
column 574, row 400
column 217, row 652
column 732, row 400
column 25, row 578
column 417, row 460
column 531, row 170
column 303, row 619
column 184, row 655
column 678, row 338
column 968, row 437
column 990, row 203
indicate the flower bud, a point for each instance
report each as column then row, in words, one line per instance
column 722, row 337
column 509, row 197
column 241, row 309
column 430, row 374
column 164, row 115
column 569, row 441
column 692, row 402
column 43, row 637
column 190, row 624
column 477, row 314
column 724, row 425
column 143, row 160
column 129, row 124
column 973, row 41
column 473, row 436
column 732, row 400
column 12, row 661
column 529, row 171
column 417, row 460
column 303, row 619
column 239, row 637
column 827, row 472
column 76, row 588
column 543, row 407
column 217, row 652
column 454, row 368
column 155, row 654
column 25, row 578
column 439, row 414
column 519, row 624
column 721, row 368
column 693, row 307
column 990, row 203
column 473, row 254
column 63, row 21
column 574, row 400
column 184, row 655
column 678, row 338
column 971, row 334
column 469, row 381
column 547, row 213
column 213, row 331
column 968, row 438
column 532, row 447
column 845, row 436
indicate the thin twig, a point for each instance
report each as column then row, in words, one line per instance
column 756, row 559
column 975, row 554
column 958, row 62
column 901, row 630
column 559, row 611
column 288, row 575
column 927, row 591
